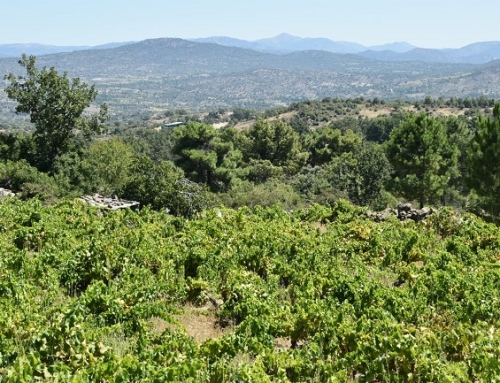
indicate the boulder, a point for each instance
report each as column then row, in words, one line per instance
column 110, row 203
column 422, row 213
column 4, row 193
column 406, row 207
column 403, row 212
column 383, row 215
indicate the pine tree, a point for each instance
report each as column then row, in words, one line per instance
column 422, row 157
column 483, row 160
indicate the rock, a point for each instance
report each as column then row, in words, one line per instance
column 98, row 200
column 406, row 207
column 383, row 215
column 370, row 214
column 4, row 193
column 216, row 302
column 398, row 282
column 403, row 212
column 422, row 213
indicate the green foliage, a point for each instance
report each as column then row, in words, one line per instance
column 161, row 185
column 205, row 155
column 268, row 193
column 379, row 129
column 313, row 184
column 75, row 174
column 241, row 114
column 260, row 171
column 26, row 180
column 111, row 160
column 298, row 294
column 362, row 174
column 330, row 143
column 308, row 296
column 15, row 147
column 157, row 145
column 55, row 105
column 423, row 158
column 314, row 113
column 460, row 133
column 359, row 174
column 276, row 142
column 483, row 161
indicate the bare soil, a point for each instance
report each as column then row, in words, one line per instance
column 199, row 322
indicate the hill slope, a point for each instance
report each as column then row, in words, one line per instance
column 477, row 53
column 169, row 73
column 113, row 296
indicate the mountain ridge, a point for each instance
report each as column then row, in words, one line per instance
column 475, row 53
column 172, row 73
column 286, row 43
column 37, row 49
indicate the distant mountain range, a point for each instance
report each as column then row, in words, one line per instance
column 161, row 74
column 16, row 50
column 477, row 53
column 286, row 43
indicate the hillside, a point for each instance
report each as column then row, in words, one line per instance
column 477, row 53
column 170, row 73
column 324, row 294
column 16, row 50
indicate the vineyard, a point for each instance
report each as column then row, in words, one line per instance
column 320, row 295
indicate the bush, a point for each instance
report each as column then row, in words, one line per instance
column 26, row 180
column 162, row 185
column 270, row 193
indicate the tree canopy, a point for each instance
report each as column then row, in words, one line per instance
column 423, row 158
column 206, row 155
column 276, row 142
column 56, row 106
column 483, row 171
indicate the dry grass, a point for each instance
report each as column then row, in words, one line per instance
column 282, row 116
column 320, row 226
column 119, row 343
column 244, row 125
column 220, row 125
column 419, row 264
column 248, row 124
column 282, row 344
column 200, row 323
column 449, row 112
column 372, row 113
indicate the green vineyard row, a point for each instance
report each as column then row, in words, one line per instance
column 319, row 295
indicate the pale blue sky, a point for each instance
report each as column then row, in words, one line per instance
column 425, row 23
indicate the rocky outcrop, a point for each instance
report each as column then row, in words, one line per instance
column 4, row 193
column 110, row 203
column 403, row 212
column 217, row 303
column 406, row 211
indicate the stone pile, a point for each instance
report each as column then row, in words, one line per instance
column 403, row 212
column 110, row 203
column 4, row 193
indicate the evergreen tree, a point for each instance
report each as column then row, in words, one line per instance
column 483, row 159
column 330, row 143
column 422, row 157
column 275, row 142
column 206, row 155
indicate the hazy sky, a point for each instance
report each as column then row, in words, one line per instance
column 425, row 23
